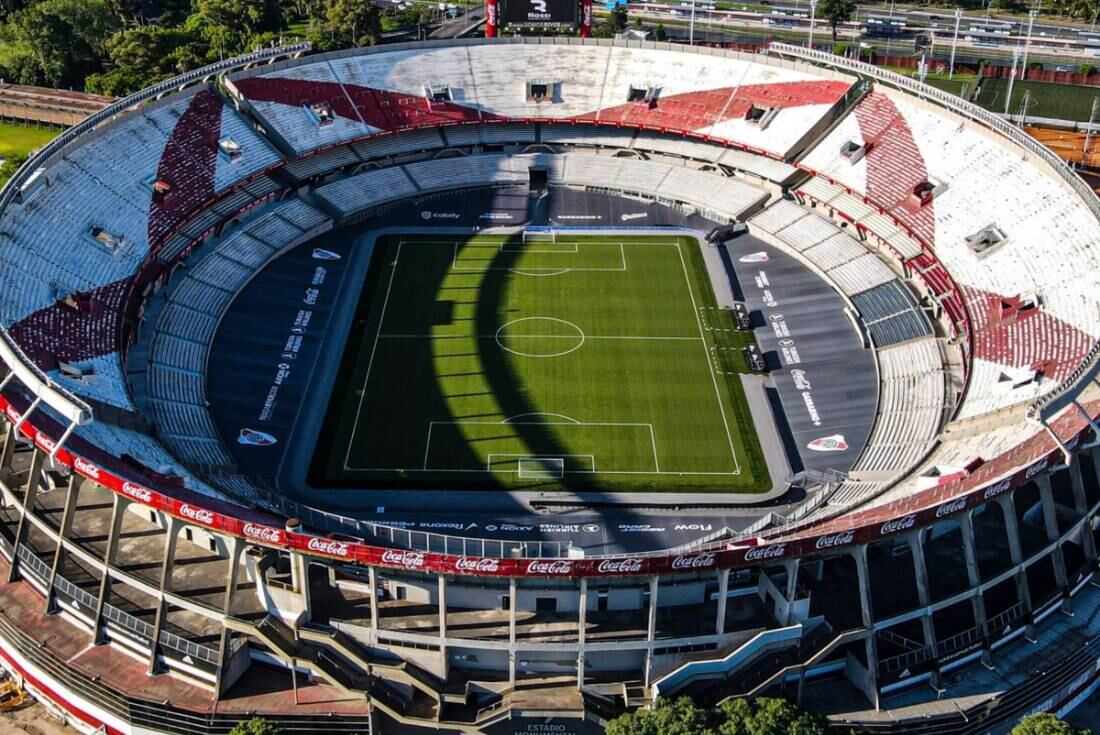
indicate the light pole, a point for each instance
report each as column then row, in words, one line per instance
column 813, row 17
column 691, row 26
column 890, row 28
column 1012, row 77
column 1027, row 44
column 954, row 41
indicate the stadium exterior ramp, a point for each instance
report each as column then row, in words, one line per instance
column 151, row 589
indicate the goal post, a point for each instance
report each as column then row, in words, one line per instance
column 539, row 234
column 541, row 468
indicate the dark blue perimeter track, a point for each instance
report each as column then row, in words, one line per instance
column 277, row 352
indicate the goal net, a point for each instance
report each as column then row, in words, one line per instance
column 540, row 235
column 541, row 468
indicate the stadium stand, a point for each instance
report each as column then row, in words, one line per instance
column 967, row 522
column 821, row 243
column 184, row 332
column 911, row 404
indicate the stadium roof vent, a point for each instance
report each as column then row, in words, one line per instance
column 440, row 93
column 542, row 91
column 643, row 94
column 106, row 239
column 924, row 192
column 230, row 149
column 1011, row 378
column 761, row 117
column 320, row 113
column 1014, row 308
column 160, row 187
column 73, row 371
column 985, row 240
column 854, row 152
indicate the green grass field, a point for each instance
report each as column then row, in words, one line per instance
column 587, row 363
column 1062, row 101
column 19, row 140
column 961, row 84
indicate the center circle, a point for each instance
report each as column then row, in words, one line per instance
column 539, row 336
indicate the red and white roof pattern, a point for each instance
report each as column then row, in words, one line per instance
column 696, row 93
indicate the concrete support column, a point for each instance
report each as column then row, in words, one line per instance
column 582, row 624
column 866, row 609
column 30, row 491
column 8, row 451
column 723, row 593
column 72, row 494
column 924, row 596
column 1050, row 522
column 236, row 548
column 512, row 632
column 372, row 579
column 792, row 588
column 171, row 537
column 1081, row 505
column 651, row 628
column 974, row 579
column 118, row 509
column 443, row 660
column 1015, row 551
column 299, row 579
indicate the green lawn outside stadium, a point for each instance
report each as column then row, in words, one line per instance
column 1045, row 99
column 585, row 363
column 19, row 140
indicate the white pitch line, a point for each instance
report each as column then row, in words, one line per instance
column 370, row 362
column 428, row 444
column 539, row 336
column 706, row 353
column 653, row 441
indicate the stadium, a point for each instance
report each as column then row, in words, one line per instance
column 503, row 385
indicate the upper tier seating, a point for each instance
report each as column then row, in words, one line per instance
column 321, row 102
column 1030, row 315
column 85, row 226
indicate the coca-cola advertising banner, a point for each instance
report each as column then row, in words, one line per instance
column 962, row 494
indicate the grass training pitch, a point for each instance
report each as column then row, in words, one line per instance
column 589, row 363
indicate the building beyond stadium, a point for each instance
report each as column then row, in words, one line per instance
column 921, row 276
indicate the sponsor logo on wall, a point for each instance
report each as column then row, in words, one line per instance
column 322, row 254
column 760, row 257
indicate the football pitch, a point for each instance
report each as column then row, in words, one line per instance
column 538, row 361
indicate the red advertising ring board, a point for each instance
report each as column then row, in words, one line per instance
column 961, row 493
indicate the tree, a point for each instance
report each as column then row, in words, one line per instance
column 679, row 717
column 836, row 12
column 761, row 716
column 56, row 42
column 142, row 56
column 256, row 726
column 9, row 166
column 230, row 25
column 353, row 22
column 1044, row 723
